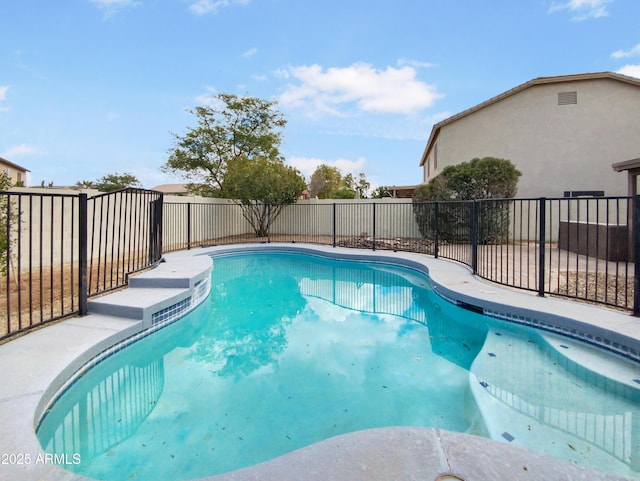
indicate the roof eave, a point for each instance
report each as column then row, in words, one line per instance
column 14, row 165
column 626, row 165
column 432, row 138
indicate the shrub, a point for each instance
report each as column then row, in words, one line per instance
column 478, row 179
column 7, row 216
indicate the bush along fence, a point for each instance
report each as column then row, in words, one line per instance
column 57, row 250
column 582, row 248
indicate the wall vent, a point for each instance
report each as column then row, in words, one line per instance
column 567, row 98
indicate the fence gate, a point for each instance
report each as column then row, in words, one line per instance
column 56, row 250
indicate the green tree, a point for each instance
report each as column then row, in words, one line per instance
column 344, row 193
column 381, row 192
column 262, row 187
column 229, row 128
column 83, row 184
column 328, row 183
column 8, row 219
column 486, row 178
column 478, row 179
column 325, row 182
column 359, row 187
column 111, row 182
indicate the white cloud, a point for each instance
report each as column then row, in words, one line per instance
column 111, row 7
column 414, row 63
column 392, row 90
column 20, row 151
column 250, row 53
column 3, row 95
column 582, row 9
column 208, row 99
column 204, row 7
column 630, row 70
column 307, row 165
column 633, row 52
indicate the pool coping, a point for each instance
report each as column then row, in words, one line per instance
column 27, row 382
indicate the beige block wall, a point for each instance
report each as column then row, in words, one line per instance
column 206, row 224
column 353, row 218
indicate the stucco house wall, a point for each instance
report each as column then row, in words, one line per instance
column 15, row 172
column 562, row 133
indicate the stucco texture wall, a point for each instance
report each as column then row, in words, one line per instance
column 556, row 147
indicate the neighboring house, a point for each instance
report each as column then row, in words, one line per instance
column 172, row 189
column 16, row 173
column 563, row 133
column 402, row 191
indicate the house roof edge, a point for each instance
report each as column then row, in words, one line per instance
column 519, row 88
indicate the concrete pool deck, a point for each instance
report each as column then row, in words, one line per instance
column 35, row 366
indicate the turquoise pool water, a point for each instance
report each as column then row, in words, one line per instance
column 290, row 349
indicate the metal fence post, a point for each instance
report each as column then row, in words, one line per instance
column 268, row 223
column 83, row 290
column 160, row 225
column 374, row 226
column 636, row 256
column 542, row 240
column 188, row 225
column 334, row 224
column 474, row 237
column 436, row 230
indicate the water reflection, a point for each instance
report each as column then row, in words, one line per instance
column 529, row 388
column 290, row 350
column 246, row 327
column 109, row 409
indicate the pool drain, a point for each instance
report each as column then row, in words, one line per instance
column 449, row 477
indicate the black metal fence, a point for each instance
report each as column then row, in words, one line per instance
column 56, row 250
column 124, row 237
column 582, row 248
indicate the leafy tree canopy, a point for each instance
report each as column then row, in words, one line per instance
column 325, row 181
column 359, row 186
column 486, row 178
column 328, row 183
column 233, row 153
column 262, row 187
column 381, row 192
column 5, row 182
column 8, row 212
column 111, row 182
column 230, row 127
column 262, row 180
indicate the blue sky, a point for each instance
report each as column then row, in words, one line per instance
column 91, row 87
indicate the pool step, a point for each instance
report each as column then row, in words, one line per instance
column 169, row 285
column 182, row 274
column 139, row 303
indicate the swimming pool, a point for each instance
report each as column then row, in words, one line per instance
column 318, row 348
